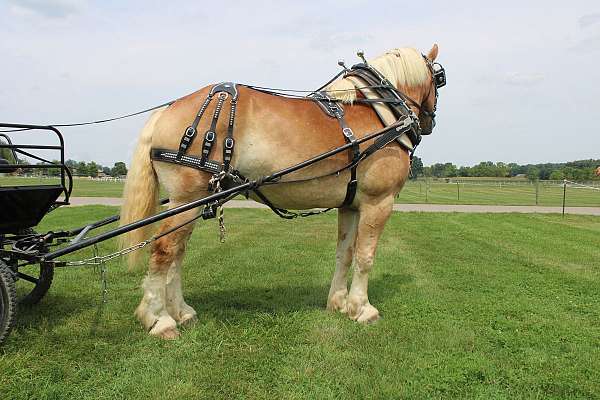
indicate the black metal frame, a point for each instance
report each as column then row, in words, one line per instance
column 66, row 179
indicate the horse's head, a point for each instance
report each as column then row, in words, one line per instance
column 429, row 91
column 598, row 171
column 418, row 77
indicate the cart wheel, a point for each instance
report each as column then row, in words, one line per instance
column 38, row 277
column 33, row 280
column 8, row 301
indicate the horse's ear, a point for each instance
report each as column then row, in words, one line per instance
column 433, row 53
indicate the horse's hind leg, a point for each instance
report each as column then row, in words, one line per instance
column 162, row 305
column 347, row 224
column 372, row 219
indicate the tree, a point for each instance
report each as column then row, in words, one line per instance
column 533, row 173
column 464, row 171
column 119, row 169
column 92, row 169
column 416, row 167
column 557, row 175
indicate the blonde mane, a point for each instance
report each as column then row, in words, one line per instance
column 402, row 67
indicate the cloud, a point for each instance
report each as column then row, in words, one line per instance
column 47, row 8
column 589, row 19
column 523, row 79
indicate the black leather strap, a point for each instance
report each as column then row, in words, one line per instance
column 334, row 108
column 190, row 133
column 211, row 133
column 229, row 142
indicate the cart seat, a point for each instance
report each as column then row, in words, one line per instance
column 24, row 206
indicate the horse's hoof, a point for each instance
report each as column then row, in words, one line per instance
column 165, row 328
column 188, row 320
column 362, row 311
column 337, row 302
column 368, row 315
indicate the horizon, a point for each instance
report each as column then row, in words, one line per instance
column 513, row 95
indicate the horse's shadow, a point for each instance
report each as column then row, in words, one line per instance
column 237, row 303
column 282, row 299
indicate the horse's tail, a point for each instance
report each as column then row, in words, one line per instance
column 140, row 194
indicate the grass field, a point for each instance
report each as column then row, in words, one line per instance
column 435, row 192
column 497, row 193
column 474, row 306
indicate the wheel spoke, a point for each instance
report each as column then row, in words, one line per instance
column 28, row 278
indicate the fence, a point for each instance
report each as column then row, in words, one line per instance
column 501, row 192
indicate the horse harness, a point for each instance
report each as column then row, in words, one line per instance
column 225, row 175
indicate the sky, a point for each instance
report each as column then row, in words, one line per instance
column 523, row 76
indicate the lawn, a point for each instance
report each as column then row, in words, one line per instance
column 497, row 193
column 474, row 306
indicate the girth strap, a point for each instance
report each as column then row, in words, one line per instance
column 332, row 107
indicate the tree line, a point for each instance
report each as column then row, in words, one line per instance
column 580, row 170
column 79, row 168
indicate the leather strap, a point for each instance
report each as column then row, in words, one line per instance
column 190, row 133
column 229, row 142
column 211, row 133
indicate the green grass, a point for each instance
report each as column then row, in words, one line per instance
column 473, row 305
column 496, row 193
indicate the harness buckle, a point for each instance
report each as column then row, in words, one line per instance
column 348, row 133
column 229, row 143
column 210, row 136
column 190, row 132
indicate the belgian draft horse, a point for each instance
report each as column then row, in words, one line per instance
column 272, row 133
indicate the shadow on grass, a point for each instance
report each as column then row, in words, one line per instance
column 245, row 301
column 239, row 304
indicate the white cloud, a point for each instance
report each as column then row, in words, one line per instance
column 47, row 8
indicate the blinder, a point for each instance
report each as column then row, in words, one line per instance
column 439, row 75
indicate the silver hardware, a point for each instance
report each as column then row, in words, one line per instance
column 361, row 55
column 190, row 131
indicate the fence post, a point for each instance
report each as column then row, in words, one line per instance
column 564, row 196
column 458, row 191
column 426, row 190
column 537, row 191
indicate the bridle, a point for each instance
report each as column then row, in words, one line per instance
column 438, row 80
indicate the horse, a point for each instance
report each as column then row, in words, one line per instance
column 597, row 172
column 271, row 133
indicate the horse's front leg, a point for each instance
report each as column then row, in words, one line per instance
column 372, row 219
column 162, row 305
column 347, row 224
